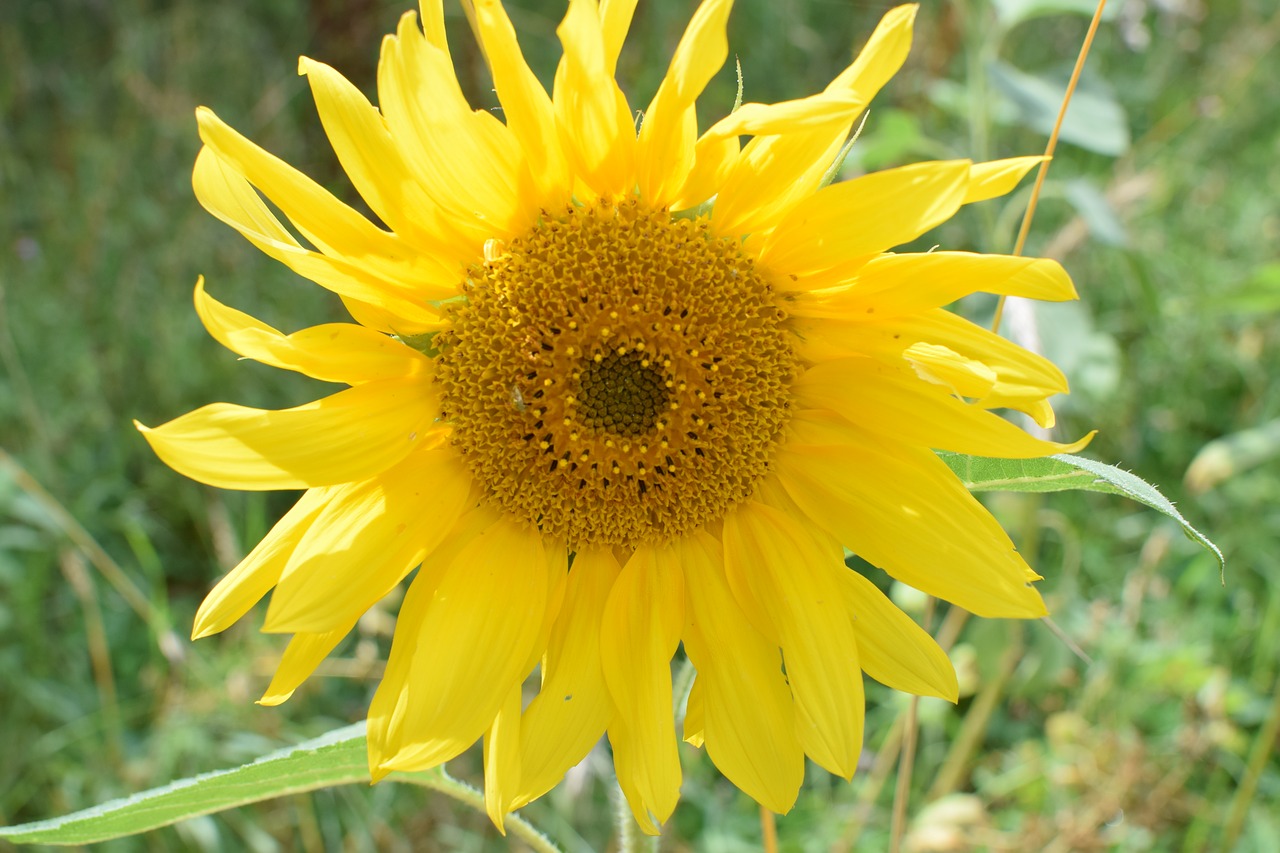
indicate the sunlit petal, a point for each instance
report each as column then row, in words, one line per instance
column 643, row 618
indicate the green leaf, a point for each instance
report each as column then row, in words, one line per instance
column 1095, row 120
column 1096, row 211
column 336, row 758
column 1063, row 473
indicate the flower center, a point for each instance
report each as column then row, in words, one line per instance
column 621, row 394
column 616, row 376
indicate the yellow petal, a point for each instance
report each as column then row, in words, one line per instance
column 363, row 545
column 900, row 508
column 776, row 171
column 470, row 163
column 615, row 20
column 253, row 578
column 797, row 578
column 641, row 629
column 337, row 230
column 557, row 569
column 894, row 285
column 301, row 657
column 893, row 402
column 670, row 128
column 335, row 352
column 815, row 111
column 804, row 291
column 963, row 377
column 387, row 712
column 351, row 435
column 713, row 159
column 1023, row 379
column 228, row 196
column 695, row 716
column 571, row 711
column 865, row 216
column 748, row 718
column 502, row 759
column 882, row 55
column 525, row 105
column 389, row 323
column 468, row 646
column 596, row 127
column 370, row 157
column 771, row 175
column 433, row 25
column 892, row 648
column 385, row 728
column 998, row 177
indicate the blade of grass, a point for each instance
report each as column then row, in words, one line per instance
column 1259, row 754
column 81, row 583
column 92, row 551
column 951, row 774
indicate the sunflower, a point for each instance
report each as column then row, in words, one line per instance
column 616, row 386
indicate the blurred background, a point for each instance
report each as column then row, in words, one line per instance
column 1157, row 735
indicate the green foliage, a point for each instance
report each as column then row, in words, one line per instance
column 1170, row 237
column 1065, row 473
column 334, row 759
column 340, row 757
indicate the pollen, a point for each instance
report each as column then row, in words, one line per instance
column 655, row 366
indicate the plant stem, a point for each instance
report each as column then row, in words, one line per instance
column 630, row 838
column 902, row 791
column 472, row 798
column 953, row 769
column 874, row 784
column 768, row 831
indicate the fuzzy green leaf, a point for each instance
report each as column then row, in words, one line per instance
column 335, row 758
column 1062, row 473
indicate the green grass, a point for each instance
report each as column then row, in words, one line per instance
column 101, row 242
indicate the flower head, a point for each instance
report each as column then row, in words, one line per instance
column 614, row 390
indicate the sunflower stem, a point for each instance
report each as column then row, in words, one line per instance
column 680, row 687
column 630, row 838
column 470, row 797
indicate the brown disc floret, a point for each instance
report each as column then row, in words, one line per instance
column 616, row 375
